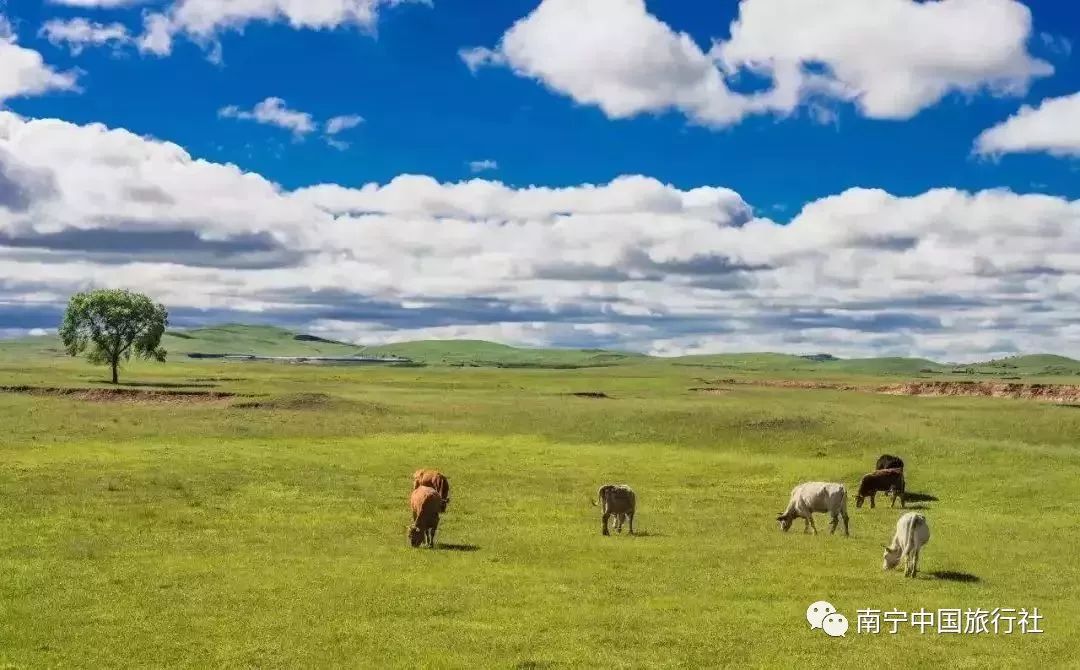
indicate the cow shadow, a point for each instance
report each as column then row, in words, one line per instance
column 456, row 547
column 953, row 576
column 919, row 497
column 917, row 507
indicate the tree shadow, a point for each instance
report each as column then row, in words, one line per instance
column 919, row 497
column 953, row 576
column 456, row 547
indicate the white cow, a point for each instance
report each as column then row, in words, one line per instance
column 912, row 533
column 816, row 497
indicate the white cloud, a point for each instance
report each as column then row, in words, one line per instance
column 79, row 33
column 103, row 4
column 891, row 58
column 634, row 263
column 339, row 124
column 483, row 165
column 1052, row 127
column 478, row 57
column 273, row 112
column 204, row 20
column 23, row 72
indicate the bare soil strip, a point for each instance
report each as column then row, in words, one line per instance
column 1057, row 393
column 121, row 394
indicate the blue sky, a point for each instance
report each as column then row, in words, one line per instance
column 572, row 96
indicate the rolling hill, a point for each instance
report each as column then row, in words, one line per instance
column 273, row 341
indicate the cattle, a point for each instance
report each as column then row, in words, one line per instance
column 889, row 462
column 813, row 497
column 426, row 504
column 912, row 534
column 618, row 500
column 435, row 480
column 885, row 481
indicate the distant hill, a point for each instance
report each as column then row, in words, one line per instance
column 490, row 354
column 260, row 340
column 1048, row 365
column 274, row 341
column 227, row 339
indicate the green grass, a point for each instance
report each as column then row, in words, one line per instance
column 269, row 530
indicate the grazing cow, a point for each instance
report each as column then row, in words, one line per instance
column 435, row 480
column 816, row 497
column 426, row 505
column 618, row 500
column 912, row 534
column 889, row 462
column 886, row 481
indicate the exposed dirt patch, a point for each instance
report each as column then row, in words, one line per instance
column 1060, row 393
column 309, row 401
column 782, row 423
column 710, row 391
column 121, row 394
column 217, row 379
column 599, row 395
column 1057, row 393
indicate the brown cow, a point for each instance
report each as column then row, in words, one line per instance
column 889, row 462
column 618, row 500
column 426, row 504
column 890, row 481
column 435, row 480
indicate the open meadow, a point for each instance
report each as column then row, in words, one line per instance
column 267, row 529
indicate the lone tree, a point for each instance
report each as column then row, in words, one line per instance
column 113, row 324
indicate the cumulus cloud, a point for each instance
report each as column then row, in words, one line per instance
column 79, row 33
column 23, row 72
column 204, row 20
column 891, row 58
column 1052, row 127
column 273, row 112
column 634, row 263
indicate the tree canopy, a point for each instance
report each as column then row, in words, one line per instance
column 111, row 325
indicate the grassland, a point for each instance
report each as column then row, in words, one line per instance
column 266, row 529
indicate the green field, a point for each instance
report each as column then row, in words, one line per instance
column 267, row 529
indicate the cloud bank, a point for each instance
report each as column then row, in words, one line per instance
column 634, row 263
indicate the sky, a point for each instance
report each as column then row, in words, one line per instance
column 859, row 178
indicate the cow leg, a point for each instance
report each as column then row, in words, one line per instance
column 604, row 522
column 834, row 519
column 914, row 563
column 631, row 523
column 618, row 522
column 844, row 516
column 872, row 496
column 810, row 522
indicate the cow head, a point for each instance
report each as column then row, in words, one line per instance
column 784, row 521
column 859, row 500
column 891, row 558
column 416, row 536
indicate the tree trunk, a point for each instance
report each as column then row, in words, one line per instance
column 115, row 377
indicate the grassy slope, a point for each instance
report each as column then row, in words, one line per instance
column 480, row 353
column 272, row 341
column 151, row 535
